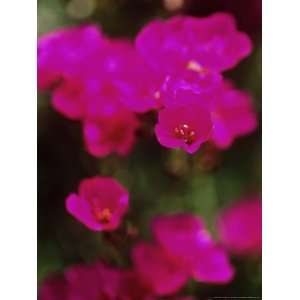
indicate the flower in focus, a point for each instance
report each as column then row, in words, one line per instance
column 185, row 126
column 233, row 115
column 100, row 204
column 159, row 272
column 184, row 237
column 211, row 43
column 240, row 226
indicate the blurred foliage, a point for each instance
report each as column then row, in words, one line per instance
column 159, row 180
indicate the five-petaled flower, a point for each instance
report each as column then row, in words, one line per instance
column 187, row 125
column 100, row 204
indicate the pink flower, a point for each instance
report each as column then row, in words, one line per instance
column 240, row 226
column 157, row 270
column 184, row 237
column 94, row 282
column 233, row 115
column 211, row 43
column 67, row 98
column 137, row 83
column 185, row 125
column 62, row 53
column 100, row 204
column 109, row 127
column 77, row 62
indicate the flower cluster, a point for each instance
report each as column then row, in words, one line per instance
column 183, row 249
column 97, row 281
column 174, row 67
column 174, row 70
column 94, row 282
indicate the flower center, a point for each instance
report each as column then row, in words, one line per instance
column 103, row 216
column 185, row 133
column 194, row 66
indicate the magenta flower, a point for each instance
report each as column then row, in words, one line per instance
column 233, row 115
column 109, row 128
column 62, row 53
column 137, row 83
column 159, row 272
column 186, row 125
column 94, row 282
column 211, row 43
column 184, row 237
column 68, row 98
column 240, row 227
column 100, row 204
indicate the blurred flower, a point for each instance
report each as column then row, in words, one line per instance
column 62, row 53
column 75, row 72
column 233, row 115
column 100, row 204
column 184, row 237
column 67, row 98
column 109, row 127
column 138, row 83
column 211, row 43
column 158, row 271
column 240, row 226
column 185, row 126
column 94, row 282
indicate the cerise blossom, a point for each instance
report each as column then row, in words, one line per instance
column 100, row 204
column 233, row 115
column 212, row 43
column 186, row 125
column 184, row 237
column 240, row 226
column 62, row 53
column 158, row 271
column 108, row 126
column 97, row 281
